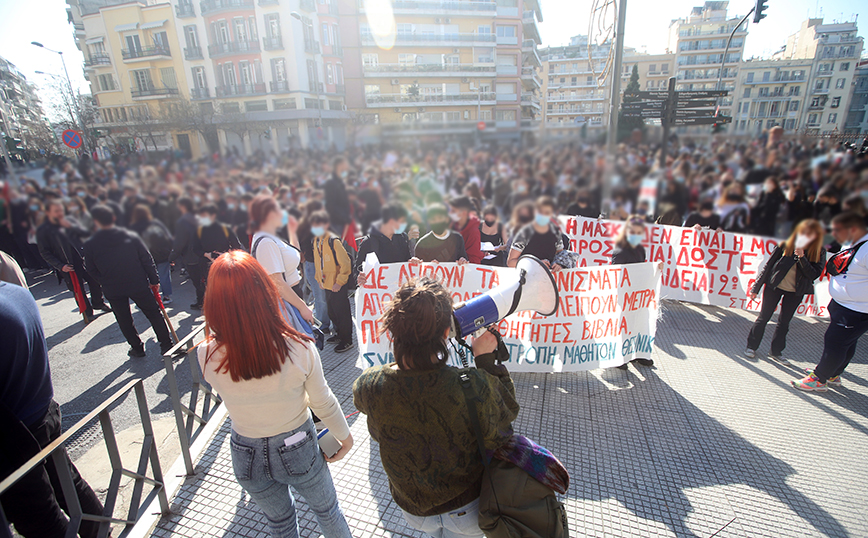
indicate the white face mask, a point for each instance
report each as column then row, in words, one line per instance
column 802, row 241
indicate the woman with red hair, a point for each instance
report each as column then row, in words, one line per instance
column 268, row 374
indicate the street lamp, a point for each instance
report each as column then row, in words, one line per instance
column 296, row 15
column 71, row 93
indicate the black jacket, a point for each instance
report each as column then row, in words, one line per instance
column 60, row 246
column 217, row 237
column 396, row 250
column 337, row 203
column 628, row 254
column 185, row 240
column 774, row 272
column 120, row 262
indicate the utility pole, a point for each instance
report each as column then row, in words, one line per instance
column 668, row 118
column 612, row 135
column 6, row 132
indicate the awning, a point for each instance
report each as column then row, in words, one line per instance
column 155, row 24
column 94, row 40
column 126, row 27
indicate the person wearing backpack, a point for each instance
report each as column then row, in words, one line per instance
column 213, row 238
column 388, row 239
column 159, row 242
column 333, row 269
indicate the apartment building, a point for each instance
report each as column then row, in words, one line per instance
column 857, row 112
column 655, row 70
column 699, row 42
column 21, row 115
column 772, row 93
column 834, row 50
column 445, row 67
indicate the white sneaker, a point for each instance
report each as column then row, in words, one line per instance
column 749, row 353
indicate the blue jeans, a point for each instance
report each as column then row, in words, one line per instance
column 320, row 307
column 164, row 270
column 463, row 522
column 266, row 467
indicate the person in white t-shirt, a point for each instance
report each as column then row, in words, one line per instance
column 279, row 260
column 848, row 311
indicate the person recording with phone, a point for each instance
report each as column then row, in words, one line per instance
column 268, row 374
column 417, row 412
column 788, row 276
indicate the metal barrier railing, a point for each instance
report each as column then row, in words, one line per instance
column 137, row 508
column 189, row 423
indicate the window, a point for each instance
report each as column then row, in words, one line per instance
column 836, row 102
column 794, row 106
column 815, row 102
column 284, row 104
column 746, row 93
column 221, row 32
column 330, row 74
column 484, row 30
column 229, row 74
column 252, row 25
column 312, row 103
column 97, row 48
column 764, row 92
column 485, row 115
column 833, row 118
column 199, row 78
column 246, row 73
column 652, row 69
column 749, row 78
column 505, row 115
column 766, row 76
column 372, row 89
column 134, row 45
column 106, row 83
column 506, row 31
column 256, row 106
column 161, row 40
column 664, row 68
column 141, row 79
column 191, row 37
column 406, row 59
column 790, row 124
column 325, row 35
column 453, row 116
column 794, row 90
column 370, row 60
column 844, row 66
column 278, row 69
column 231, row 108
column 240, row 29
column 404, row 29
column 839, row 84
column 167, row 76
column 272, row 25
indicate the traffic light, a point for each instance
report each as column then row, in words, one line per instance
column 758, row 15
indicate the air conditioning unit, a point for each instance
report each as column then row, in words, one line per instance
column 447, row 21
column 436, row 21
column 456, row 51
column 466, row 114
column 397, row 110
column 421, row 109
column 396, row 81
column 472, row 87
column 465, row 80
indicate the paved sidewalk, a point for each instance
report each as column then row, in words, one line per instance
column 707, row 443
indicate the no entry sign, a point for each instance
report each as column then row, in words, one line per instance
column 72, row 138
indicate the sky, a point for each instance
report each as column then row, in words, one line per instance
column 647, row 27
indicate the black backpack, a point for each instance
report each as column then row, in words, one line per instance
column 159, row 241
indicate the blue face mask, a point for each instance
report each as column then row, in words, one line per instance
column 285, row 219
column 634, row 239
column 542, row 220
column 401, row 228
column 34, row 208
column 81, row 194
column 318, row 231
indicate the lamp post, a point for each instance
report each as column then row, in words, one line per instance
column 72, row 94
column 297, row 15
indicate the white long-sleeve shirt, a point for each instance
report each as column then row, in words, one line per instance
column 278, row 403
column 850, row 290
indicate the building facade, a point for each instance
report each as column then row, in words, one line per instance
column 857, row 112
column 771, row 93
column 21, row 114
column 463, row 68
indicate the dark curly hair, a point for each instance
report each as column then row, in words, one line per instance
column 417, row 317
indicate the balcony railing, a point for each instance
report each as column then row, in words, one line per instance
column 211, row 7
column 315, row 87
column 269, row 2
column 240, row 89
column 233, row 47
column 272, row 43
column 184, row 10
column 308, row 5
column 153, row 92
column 311, row 46
column 199, row 93
column 820, row 90
column 435, row 39
column 193, row 53
column 340, row 89
column 400, row 99
column 337, row 50
column 281, row 86
column 145, row 52
column 98, row 59
column 528, row 99
column 420, row 7
column 434, row 69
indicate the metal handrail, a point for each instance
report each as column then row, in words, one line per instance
column 148, row 454
column 188, row 423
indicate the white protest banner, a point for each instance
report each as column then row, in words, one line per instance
column 606, row 316
column 700, row 266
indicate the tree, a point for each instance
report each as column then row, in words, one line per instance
column 626, row 125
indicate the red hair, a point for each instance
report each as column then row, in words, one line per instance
column 242, row 315
column 260, row 207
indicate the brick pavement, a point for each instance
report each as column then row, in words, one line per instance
column 707, row 443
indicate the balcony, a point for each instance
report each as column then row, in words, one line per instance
column 824, row 73
column 184, row 10
column 531, row 30
column 530, row 79
column 240, row 89
column 310, row 46
column 212, row 7
column 507, row 70
column 146, row 53
column 529, row 53
column 269, row 2
column 430, row 70
column 820, row 91
column 435, row 40
column 658, row 74
column 200, row 93
column 272, row 43
column 397, row 99
column 333, row 8
column 308, row 5
column 465, row 9
column 152, row 92
column 233, row 47
column 193, row 53
column 506, row 97
column 281, row 86
column 98, row 59
column 340, row 89
column 315, row 87
column 531, row 100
